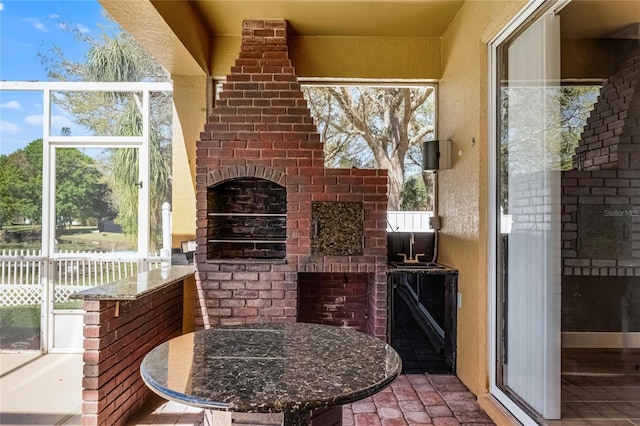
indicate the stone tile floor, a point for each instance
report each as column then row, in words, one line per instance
column 413, row 399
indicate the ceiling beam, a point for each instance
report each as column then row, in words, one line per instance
column 170, row 31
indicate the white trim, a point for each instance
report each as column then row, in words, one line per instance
column 65, row 350
column 97, row 141
column 560, row 4
column 512, row 407
column 144, row 177
column 48, row 226
column 85, row 86
column 514, row 24
column 109, row 257
column 616, row 340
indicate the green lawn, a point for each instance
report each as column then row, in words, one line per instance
column 74, row 238
column 20, row 324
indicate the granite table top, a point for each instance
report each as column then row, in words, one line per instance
column 270, row 368
column 137, row 285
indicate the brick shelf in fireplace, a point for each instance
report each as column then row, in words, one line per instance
column 260, row 146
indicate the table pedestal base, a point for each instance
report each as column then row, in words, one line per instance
column 326, row 417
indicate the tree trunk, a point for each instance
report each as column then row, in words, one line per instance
column 396, row 180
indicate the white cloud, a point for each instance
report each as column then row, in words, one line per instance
column 11, row 105
column 54, row 16
column 35, row 120
column 82, row 29
column 60, row 121
column 8, row 127
column 37, row 24
column 1, row 7
column 57, row 121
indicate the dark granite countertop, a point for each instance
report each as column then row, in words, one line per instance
column 421, row 267
column 264, row 368
column 137, row 285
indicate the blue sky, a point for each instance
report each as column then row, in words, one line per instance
column 27, row 29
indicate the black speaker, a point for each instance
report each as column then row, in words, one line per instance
column 431, row 155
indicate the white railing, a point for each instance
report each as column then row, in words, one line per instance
column 21, row 273
column 20, row 277
column 409, row 221
column 20, row 267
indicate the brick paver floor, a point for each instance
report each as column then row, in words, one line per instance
column 413, row 400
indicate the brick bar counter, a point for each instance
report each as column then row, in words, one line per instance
column 124, row 320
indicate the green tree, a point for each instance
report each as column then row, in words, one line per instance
column 576, row 103
column 115, row 56
column 568, row 108
column 81, row 192
column 381, row 127
column 21, row 184
column 18, row 202
column 414, row 195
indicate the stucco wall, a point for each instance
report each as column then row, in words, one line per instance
column 189, row 99
column 367, row 57
column 462, row 117
column 395, row 58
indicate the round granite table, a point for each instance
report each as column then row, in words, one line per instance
column 305, row 371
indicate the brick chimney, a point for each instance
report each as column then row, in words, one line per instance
column 601, row 196
column 260, row 134
column 610, row 139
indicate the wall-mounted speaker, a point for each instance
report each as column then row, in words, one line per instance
column 431, row 155
column 436, row 155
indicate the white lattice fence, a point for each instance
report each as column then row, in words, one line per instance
column 20, row 295
column 20, row 278
column 20, row 274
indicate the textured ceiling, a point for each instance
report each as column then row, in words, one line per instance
column 601, row 19
column 398, row 18
column 186, row 35
column 359, row 18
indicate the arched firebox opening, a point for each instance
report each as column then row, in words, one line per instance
column 247, row 219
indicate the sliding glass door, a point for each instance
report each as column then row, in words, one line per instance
column 528, row 269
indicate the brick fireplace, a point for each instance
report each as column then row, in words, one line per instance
column 274, row 224
column 601, row 195
column 601, row 209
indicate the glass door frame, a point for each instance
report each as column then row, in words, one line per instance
column 530, row 12
column 50, row 143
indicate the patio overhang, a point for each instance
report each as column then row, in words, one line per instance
column 170, row 31
column 349, row 39
column 381, row 39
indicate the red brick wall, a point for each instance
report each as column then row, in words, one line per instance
column 115, row 341
column 618, row 193
column 334, row 299
column 261, row 127
column 607, row 174
column 610, row 139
